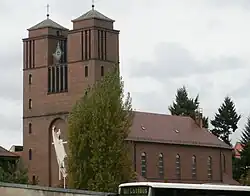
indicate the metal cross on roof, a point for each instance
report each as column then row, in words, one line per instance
column 47, row 10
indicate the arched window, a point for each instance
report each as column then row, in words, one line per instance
column 209, row 168
column 178, row 166
column 161, row 165
column 30, row 103
column 86, row 71
column 143, row 164
column 102, row 71
column 30, row 78
column 194, row 167
column 30, row 154
column 30, row 128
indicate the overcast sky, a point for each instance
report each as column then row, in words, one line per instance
column 164, row 44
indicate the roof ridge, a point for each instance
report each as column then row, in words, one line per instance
column 162, row 114
column 4, row 152
column 93, row 14
column 46, row 24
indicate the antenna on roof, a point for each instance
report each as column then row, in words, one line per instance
column 47, row 11
column 93, row 4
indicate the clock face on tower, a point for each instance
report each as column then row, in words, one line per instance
column 58, row 53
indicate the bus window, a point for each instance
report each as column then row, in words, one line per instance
column 134, row 191
column 163, row 192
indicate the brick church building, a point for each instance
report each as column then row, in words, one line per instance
column 59, row 64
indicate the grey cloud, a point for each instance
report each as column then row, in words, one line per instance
column 243, row 91
column 10, row 137
column 12, row 123
column 245, row 4
column 171, row 60
column 150, row 102
column 11, row 75
column 158, row 101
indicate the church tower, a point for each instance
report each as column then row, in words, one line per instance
column 58, row 65
column 94, row 48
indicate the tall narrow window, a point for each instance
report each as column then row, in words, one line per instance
column 102, row 71
column 143, row 164
column 30, row 78
column 101, row 45
column 89, row 44
column 30, row 54
column 161, row 165
column 33, row 53
column 65, row 78
column 30, row 103
column 178, row 166
column 86, row 71
column 61, row 78
column 53, row 79
column 57, row 79
column 82, row 43
column 209, row 168
column 224, row 162
column 30, row 128
column 49, row 80
column 86, row 44
column 194, row 167
column 30, row 154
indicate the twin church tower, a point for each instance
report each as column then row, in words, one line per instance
column 58, row 65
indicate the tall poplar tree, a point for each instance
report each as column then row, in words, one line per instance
column 185, row 106
column 225, row 120
column 99, row 157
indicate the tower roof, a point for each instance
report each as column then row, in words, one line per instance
column 93, row 14
column 47, row 23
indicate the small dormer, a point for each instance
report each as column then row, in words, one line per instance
column 47, row 27
column 92, row 18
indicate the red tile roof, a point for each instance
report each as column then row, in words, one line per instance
column 6, row 153
column 161, row 128
column 237, row 149
column 19, row 153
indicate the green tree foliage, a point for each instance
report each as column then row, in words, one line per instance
column 245, row 137
column 240, row 166
column 99, row 157
column 243, row 164
column 185, row 106
column 14, row 173
column 225, row 121
column 245, row 180
column 237, row 168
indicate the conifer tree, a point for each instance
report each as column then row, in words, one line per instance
column 185, row 106
column 245, row 137
column 243, row 166
column 225, row 121
column 99, row 157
